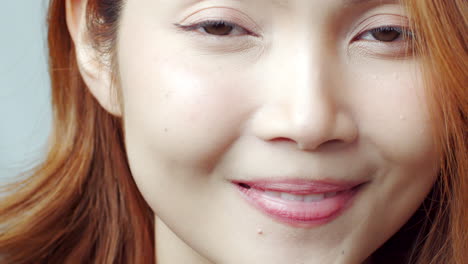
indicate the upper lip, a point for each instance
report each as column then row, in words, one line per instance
column 300, row 186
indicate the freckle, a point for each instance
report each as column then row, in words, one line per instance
column 342, row 252
column 259, row 231
column 165, row 129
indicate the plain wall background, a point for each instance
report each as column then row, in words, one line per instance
column 24, row 86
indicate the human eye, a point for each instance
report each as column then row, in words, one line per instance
column 217, row 28
column 386, row 34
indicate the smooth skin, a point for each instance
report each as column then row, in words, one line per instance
column 298, row 88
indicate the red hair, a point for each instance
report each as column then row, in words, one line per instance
column 82, row 205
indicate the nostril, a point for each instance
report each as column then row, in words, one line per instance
column 282, row 139
column 332, row 144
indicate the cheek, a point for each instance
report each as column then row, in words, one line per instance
column 181, row 113
column 179, row 110
column 392, row 113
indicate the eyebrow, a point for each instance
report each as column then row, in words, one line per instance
column 357, row 2
column 286, row 3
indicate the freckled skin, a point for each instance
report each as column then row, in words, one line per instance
column 200, row 111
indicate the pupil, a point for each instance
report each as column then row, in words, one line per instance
column 386, row 35
column 218, row 29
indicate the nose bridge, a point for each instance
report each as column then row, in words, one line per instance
column 310, row 101
column 305, row 106
column 311, row 108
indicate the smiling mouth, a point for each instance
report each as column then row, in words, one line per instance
column 313, row 197
column 299, row 203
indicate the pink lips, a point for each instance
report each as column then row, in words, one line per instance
column 328, row 199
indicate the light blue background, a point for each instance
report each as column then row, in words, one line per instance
column 24, row 86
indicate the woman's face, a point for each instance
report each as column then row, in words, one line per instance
column 295, row 132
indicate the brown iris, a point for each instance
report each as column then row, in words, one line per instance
column 218, row 28
column 386, row 34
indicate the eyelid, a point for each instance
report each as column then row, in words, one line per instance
column 201, row 24
column 398, row 49
column 226, row 14
column 402, row 30
column 379, row 21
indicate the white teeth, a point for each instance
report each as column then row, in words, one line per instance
column 305, row 198
column 314, row 197
column 292, row 197
column 273, row 194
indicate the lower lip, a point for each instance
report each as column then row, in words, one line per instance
column 299, row 213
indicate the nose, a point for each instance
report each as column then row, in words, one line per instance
column 306, row 107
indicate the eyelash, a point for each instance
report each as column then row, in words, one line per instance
column 207, row 23
column 403, row 33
